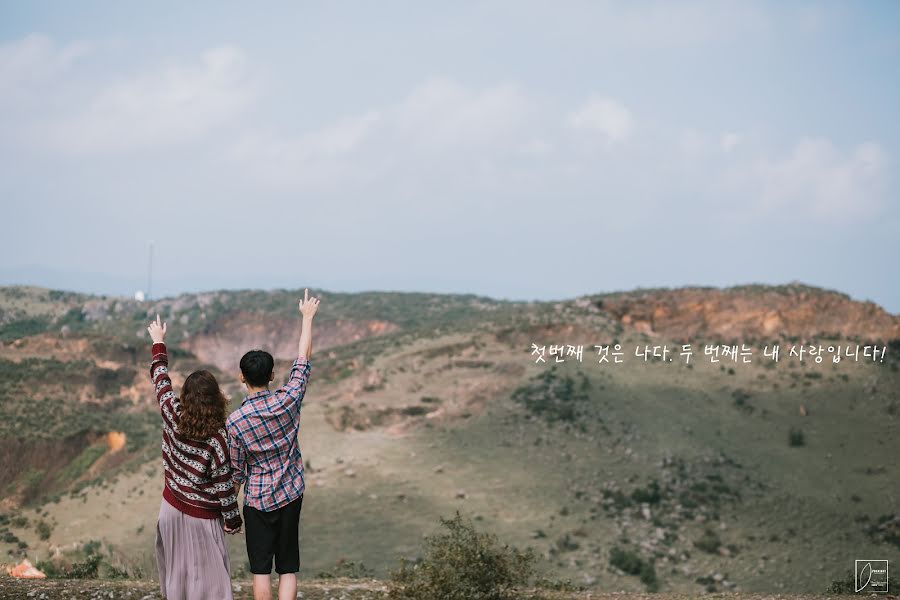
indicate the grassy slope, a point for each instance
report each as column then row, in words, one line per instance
column 795, row 525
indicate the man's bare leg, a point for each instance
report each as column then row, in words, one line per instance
column 262, row 587
column 287, row 586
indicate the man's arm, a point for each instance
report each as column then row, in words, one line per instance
column 308, row 308
column 292, row 392
column 238, row 458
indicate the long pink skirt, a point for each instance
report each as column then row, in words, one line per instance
column 191, row 556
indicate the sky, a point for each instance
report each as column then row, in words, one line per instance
column 514, row 149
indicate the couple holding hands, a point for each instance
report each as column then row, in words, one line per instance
column 208, row 455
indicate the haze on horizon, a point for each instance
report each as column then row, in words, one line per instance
column 518, row 150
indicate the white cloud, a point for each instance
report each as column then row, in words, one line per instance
column 441, row 112
column 32, row 60
column 820, row 180
column 438, row 118
column 663, row 24
column 536, row 147
column 694, row 143
column 730, row 140
column 170, row 105
column 309, row 158
column 603, row 116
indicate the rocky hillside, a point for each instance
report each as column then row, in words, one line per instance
column 750, row 313
column 705, row 476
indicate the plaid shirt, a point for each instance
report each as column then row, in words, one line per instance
column 263, row 443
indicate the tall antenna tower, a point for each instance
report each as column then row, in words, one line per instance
column 150, row 274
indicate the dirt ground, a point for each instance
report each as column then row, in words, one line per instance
column 330, row 589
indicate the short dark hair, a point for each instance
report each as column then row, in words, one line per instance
column 257, row 367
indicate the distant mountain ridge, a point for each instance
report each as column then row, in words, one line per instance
column 211, row 324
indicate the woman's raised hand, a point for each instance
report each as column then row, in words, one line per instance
column 157, row 331
column 308, row 306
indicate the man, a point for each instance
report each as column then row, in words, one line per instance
column 266, row 459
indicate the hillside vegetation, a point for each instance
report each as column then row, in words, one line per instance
column 647, row 475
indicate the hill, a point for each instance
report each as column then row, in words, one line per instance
column 759, row 476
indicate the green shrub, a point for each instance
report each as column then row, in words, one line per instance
column 82, row 463
column 43, row 530
column 31, row 482
column 347, row 568
column 23, row 328
column 567, row 544
column 553, row 396
column 796, row 437
column 19, row 521
column 847, row 584
column 620, row 500
column 92, row 547
column 86, row 569
column 462, row 564
column 109, row 381
column 632, row 564
column 558, row 585
column 650, row 494
column 709, row 542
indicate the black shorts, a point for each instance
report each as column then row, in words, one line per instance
column 273, row 533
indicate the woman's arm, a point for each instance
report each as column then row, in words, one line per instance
column 159, row 368
column 223, row 486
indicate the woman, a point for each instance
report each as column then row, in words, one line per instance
column 199, row 500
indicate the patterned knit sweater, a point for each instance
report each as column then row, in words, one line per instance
column 197, row 472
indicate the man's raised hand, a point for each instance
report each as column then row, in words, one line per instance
column 308, row 306
column 157, row 331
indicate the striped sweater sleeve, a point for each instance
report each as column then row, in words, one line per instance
column 223, row 487
column 159, row 376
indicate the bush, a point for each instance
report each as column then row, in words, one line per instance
column 555, row 397
column 796, row 437
column 31, row 483
column 847, row 585
column 559, row 585
column 43, row 530
column 462, row 564
column 347, row 568
column 709, row 542
column 631, row 563
column 23, row 328
column 82, row 462
column 86, row 569
column 650, row 494
column 91, row 548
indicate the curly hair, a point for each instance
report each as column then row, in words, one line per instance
column 203, row 406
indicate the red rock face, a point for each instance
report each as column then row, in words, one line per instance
column 759, row 313
column 228, row 339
